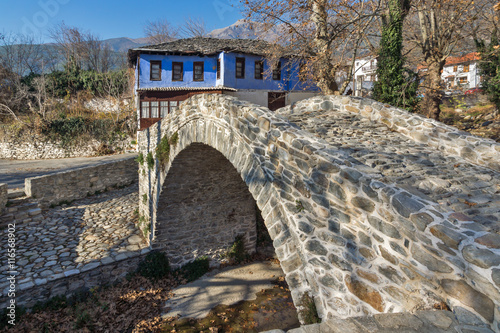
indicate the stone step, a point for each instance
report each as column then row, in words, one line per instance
column 14, row 194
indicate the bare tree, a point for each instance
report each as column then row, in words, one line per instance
column 324, row 33
column 160, row 31
column 194, row 27
column 440, row 30
column 20, row 56
column 83, row 48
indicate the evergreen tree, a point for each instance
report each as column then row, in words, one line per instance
column 490, row 67
column 395, row 85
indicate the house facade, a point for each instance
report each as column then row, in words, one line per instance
column 462, row 73
column 365, row 74
column 168, row 73
column 459, row 73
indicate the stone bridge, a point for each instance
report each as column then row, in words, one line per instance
column 371, row 209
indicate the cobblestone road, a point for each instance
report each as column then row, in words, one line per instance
column 76, row 237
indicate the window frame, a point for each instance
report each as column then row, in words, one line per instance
column 181, row 64
column 466, row 68
column 240, row 60
column 455, row 68
column 202, row 65
column 259, row 75
column 277, row 72
column 218, row 69
column 151, row 63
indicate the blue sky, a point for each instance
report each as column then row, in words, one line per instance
column 112, row 18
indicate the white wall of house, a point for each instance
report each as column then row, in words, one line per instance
column 460, row 77
column 295, row 96
column 364, row 71
column 258, row 97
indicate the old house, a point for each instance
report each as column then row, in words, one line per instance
column 168, row 73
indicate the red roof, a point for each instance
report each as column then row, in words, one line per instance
column 466, row 58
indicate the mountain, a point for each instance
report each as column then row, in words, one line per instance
column 122, row 44
column 245, row 29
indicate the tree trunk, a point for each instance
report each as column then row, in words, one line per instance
column 323, row 67
column 434, row 89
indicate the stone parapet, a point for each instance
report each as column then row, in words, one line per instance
column 78, row 183
column 447, row 139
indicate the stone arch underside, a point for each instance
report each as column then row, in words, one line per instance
column 204, row 205
column 356, row 245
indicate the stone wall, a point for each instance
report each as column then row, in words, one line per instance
column 357, row 245
column 78, row 183
column 34, row 147
column 446, row 138
column 203, row 195
column 69, row 282
column 3, row 197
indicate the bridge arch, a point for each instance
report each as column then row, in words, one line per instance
column 355, row 244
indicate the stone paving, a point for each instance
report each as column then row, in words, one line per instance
column 451, row 181
column 75, row 238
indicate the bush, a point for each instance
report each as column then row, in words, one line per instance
column 237, row 252
column 196, row 269
column 309, row 313
column 150, row 161
column 163, row 151
column 154, row 266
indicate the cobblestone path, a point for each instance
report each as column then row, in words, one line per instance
column 451, row 181
column 75, row 238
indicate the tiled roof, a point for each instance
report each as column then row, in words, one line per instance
column 205, row 46
column 186, row 88
column 460, row 60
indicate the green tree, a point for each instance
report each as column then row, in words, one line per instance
column 490, row 68
column 396, row 85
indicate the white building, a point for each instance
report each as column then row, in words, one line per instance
column 364, row 75
column 462, row 73
column 459, row 73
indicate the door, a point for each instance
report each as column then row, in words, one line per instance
column 275, row 100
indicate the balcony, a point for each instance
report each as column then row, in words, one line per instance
column 369, row 68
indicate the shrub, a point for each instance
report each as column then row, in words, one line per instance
column 150, row 160
column 163, row 150
column 309, row 313
column 196, row 269
column 154, row 266
column 174, row 139
column 237, row 250
column 140, row 158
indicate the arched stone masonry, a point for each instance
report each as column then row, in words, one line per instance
column 357, row 245
column 203, row 195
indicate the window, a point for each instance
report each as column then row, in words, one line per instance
column 158, row 109
column 466, row 68
column 218, row 69
column 163, row 109
column 198, row 68
column 154, row 109
column 144, row 109
column 455, row 68
column 177, row 71
column 463, row 80
column 259, row 69
column 240, row 68
column 155, row 71
column 277, row 72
